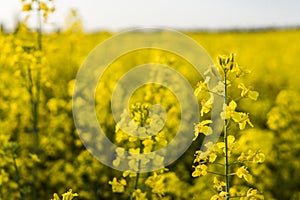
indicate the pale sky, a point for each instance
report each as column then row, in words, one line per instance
column 178, row 14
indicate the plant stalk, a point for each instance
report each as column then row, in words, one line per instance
column 226, row 142
column 18, row 173
column 35, row 103
column 139, row 163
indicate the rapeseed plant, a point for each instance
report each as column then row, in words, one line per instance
column 234, row 162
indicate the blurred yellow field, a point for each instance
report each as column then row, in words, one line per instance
column 42, row 153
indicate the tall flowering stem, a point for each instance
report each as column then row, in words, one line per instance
column 226, row 139
column 33, row 75
column 234, row 162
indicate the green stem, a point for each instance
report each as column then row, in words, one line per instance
column 136, row 183
column 212, row 92
column 39, row 37
column 35, row 104
column 215, row 173
column 34, row 100
column 226, row 142
column 18, row 173
column 236, row 163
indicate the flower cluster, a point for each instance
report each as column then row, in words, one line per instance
column 135, row 132
column 46, row 6
column 69, row 195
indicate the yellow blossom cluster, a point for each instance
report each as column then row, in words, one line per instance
column 45, row 6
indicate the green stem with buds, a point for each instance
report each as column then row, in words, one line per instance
column 136, row 182
column 226, row 141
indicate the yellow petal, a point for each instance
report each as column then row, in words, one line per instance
column 232, row 105
column 253, row 95
column 230, row 139
column 237, row 116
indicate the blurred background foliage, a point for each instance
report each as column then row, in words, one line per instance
column 61, row 161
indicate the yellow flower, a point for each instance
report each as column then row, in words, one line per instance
column 35, row 158
column 118, row 186
column 156, row 183
column 209, row 154
column 128, row 173
column 229, row 111
column 202, row 127
column 251, row 156
column 26, row 7
column 238, row 71
column 206, row 106
column 259, row 157
column 254, row 195
column 201, row 86
column 219, row 89
column 55, row 197
column 251, row 192
column 4, row 177
column 246, row 92
column 52, row 9
column 139, row 195
column 120, row 156
column 69, row 195
column 218, row 184
column 230, row 143
column 201, row 156
column 243, row 120
column 200, row 170
column 221, row 196
column 212, row 151
column 160, row 138
column 43, row 6
column 148, row 143
column 242, row 172
column 278, row 118
column 212, row 157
